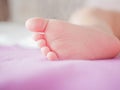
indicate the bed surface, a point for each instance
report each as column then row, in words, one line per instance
column 22, row 67
column 26, row 69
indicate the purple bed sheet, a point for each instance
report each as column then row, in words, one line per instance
column 26, row 69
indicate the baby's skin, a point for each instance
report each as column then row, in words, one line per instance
column 84, row 39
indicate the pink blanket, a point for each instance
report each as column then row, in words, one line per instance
column 27, row 69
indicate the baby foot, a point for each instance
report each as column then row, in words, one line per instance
column 62, row 40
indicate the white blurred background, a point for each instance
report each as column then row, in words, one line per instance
column 20, row 10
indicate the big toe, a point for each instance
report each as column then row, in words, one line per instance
column 36, row 24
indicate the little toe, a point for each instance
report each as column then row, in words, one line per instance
column 36, row 24
column 38, row 36
column 52, row 56
column 45, row 50
column 41, row 43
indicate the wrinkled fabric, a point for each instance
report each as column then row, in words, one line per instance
column 26, row 69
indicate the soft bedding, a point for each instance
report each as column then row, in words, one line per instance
column 26, row 69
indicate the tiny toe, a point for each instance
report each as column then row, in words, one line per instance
column 45, row 50
column 36, row 24
column 52, row 56
column 41, row 43
column 38, row 36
